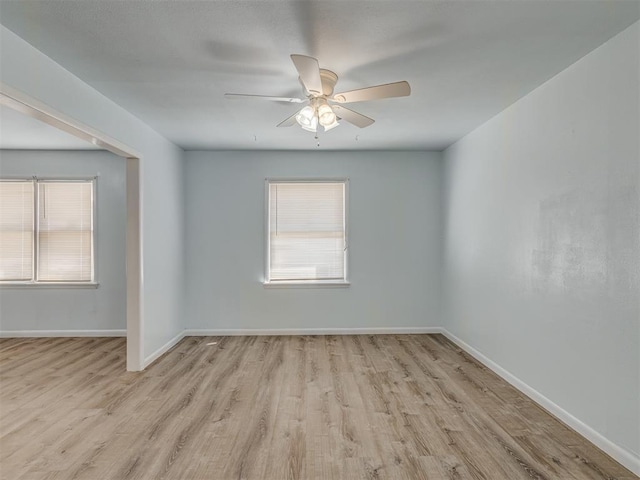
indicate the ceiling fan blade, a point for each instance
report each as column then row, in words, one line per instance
column 309, row 71
column 289, row 121
column 350, row 116
column 264, row 97
column 389, row 90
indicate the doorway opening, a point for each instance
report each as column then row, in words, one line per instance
column 134, row 315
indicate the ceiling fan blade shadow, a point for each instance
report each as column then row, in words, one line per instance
column 309, row 71
column 289, row 121
column 389, row 90
column 400, row 50
column 306, row 16
column 235, row 59
column 233, row 96
column 352, row 117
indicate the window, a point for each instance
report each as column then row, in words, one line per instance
column 306, row 232
column 46, row 231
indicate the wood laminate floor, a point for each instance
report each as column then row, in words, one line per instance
column 322, row 407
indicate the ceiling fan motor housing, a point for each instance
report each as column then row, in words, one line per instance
column 328, row 79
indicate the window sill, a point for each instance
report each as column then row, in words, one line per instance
column 306, row 284
column 70, row 285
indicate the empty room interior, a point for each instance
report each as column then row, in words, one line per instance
column 288, row 239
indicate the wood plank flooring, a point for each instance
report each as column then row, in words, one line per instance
column 321, row 407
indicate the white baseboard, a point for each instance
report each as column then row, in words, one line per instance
column 194, row 332
column 163, row 349
column 621, row 455
column 62, row 333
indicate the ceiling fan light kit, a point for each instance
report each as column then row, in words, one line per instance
column 318, row 112
column 325, row 108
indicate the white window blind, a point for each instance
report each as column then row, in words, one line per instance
column 307, row 239
column 65, row 231
column 16, row 230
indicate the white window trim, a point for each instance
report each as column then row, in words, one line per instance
column 38, row 285
column 93, row 283
column 267, row 282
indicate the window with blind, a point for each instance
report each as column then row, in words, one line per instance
column 46, row 231
column 306, row 236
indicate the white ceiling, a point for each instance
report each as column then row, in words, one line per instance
column 21, row 132
column 169, row 63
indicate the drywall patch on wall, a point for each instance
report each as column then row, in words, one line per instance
column 585, row 242
column 571, row 250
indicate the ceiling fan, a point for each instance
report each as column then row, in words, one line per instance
column 324, row 108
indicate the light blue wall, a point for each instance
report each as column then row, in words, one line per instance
column 82, row 309
column 394, row 230
column 542, row 240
